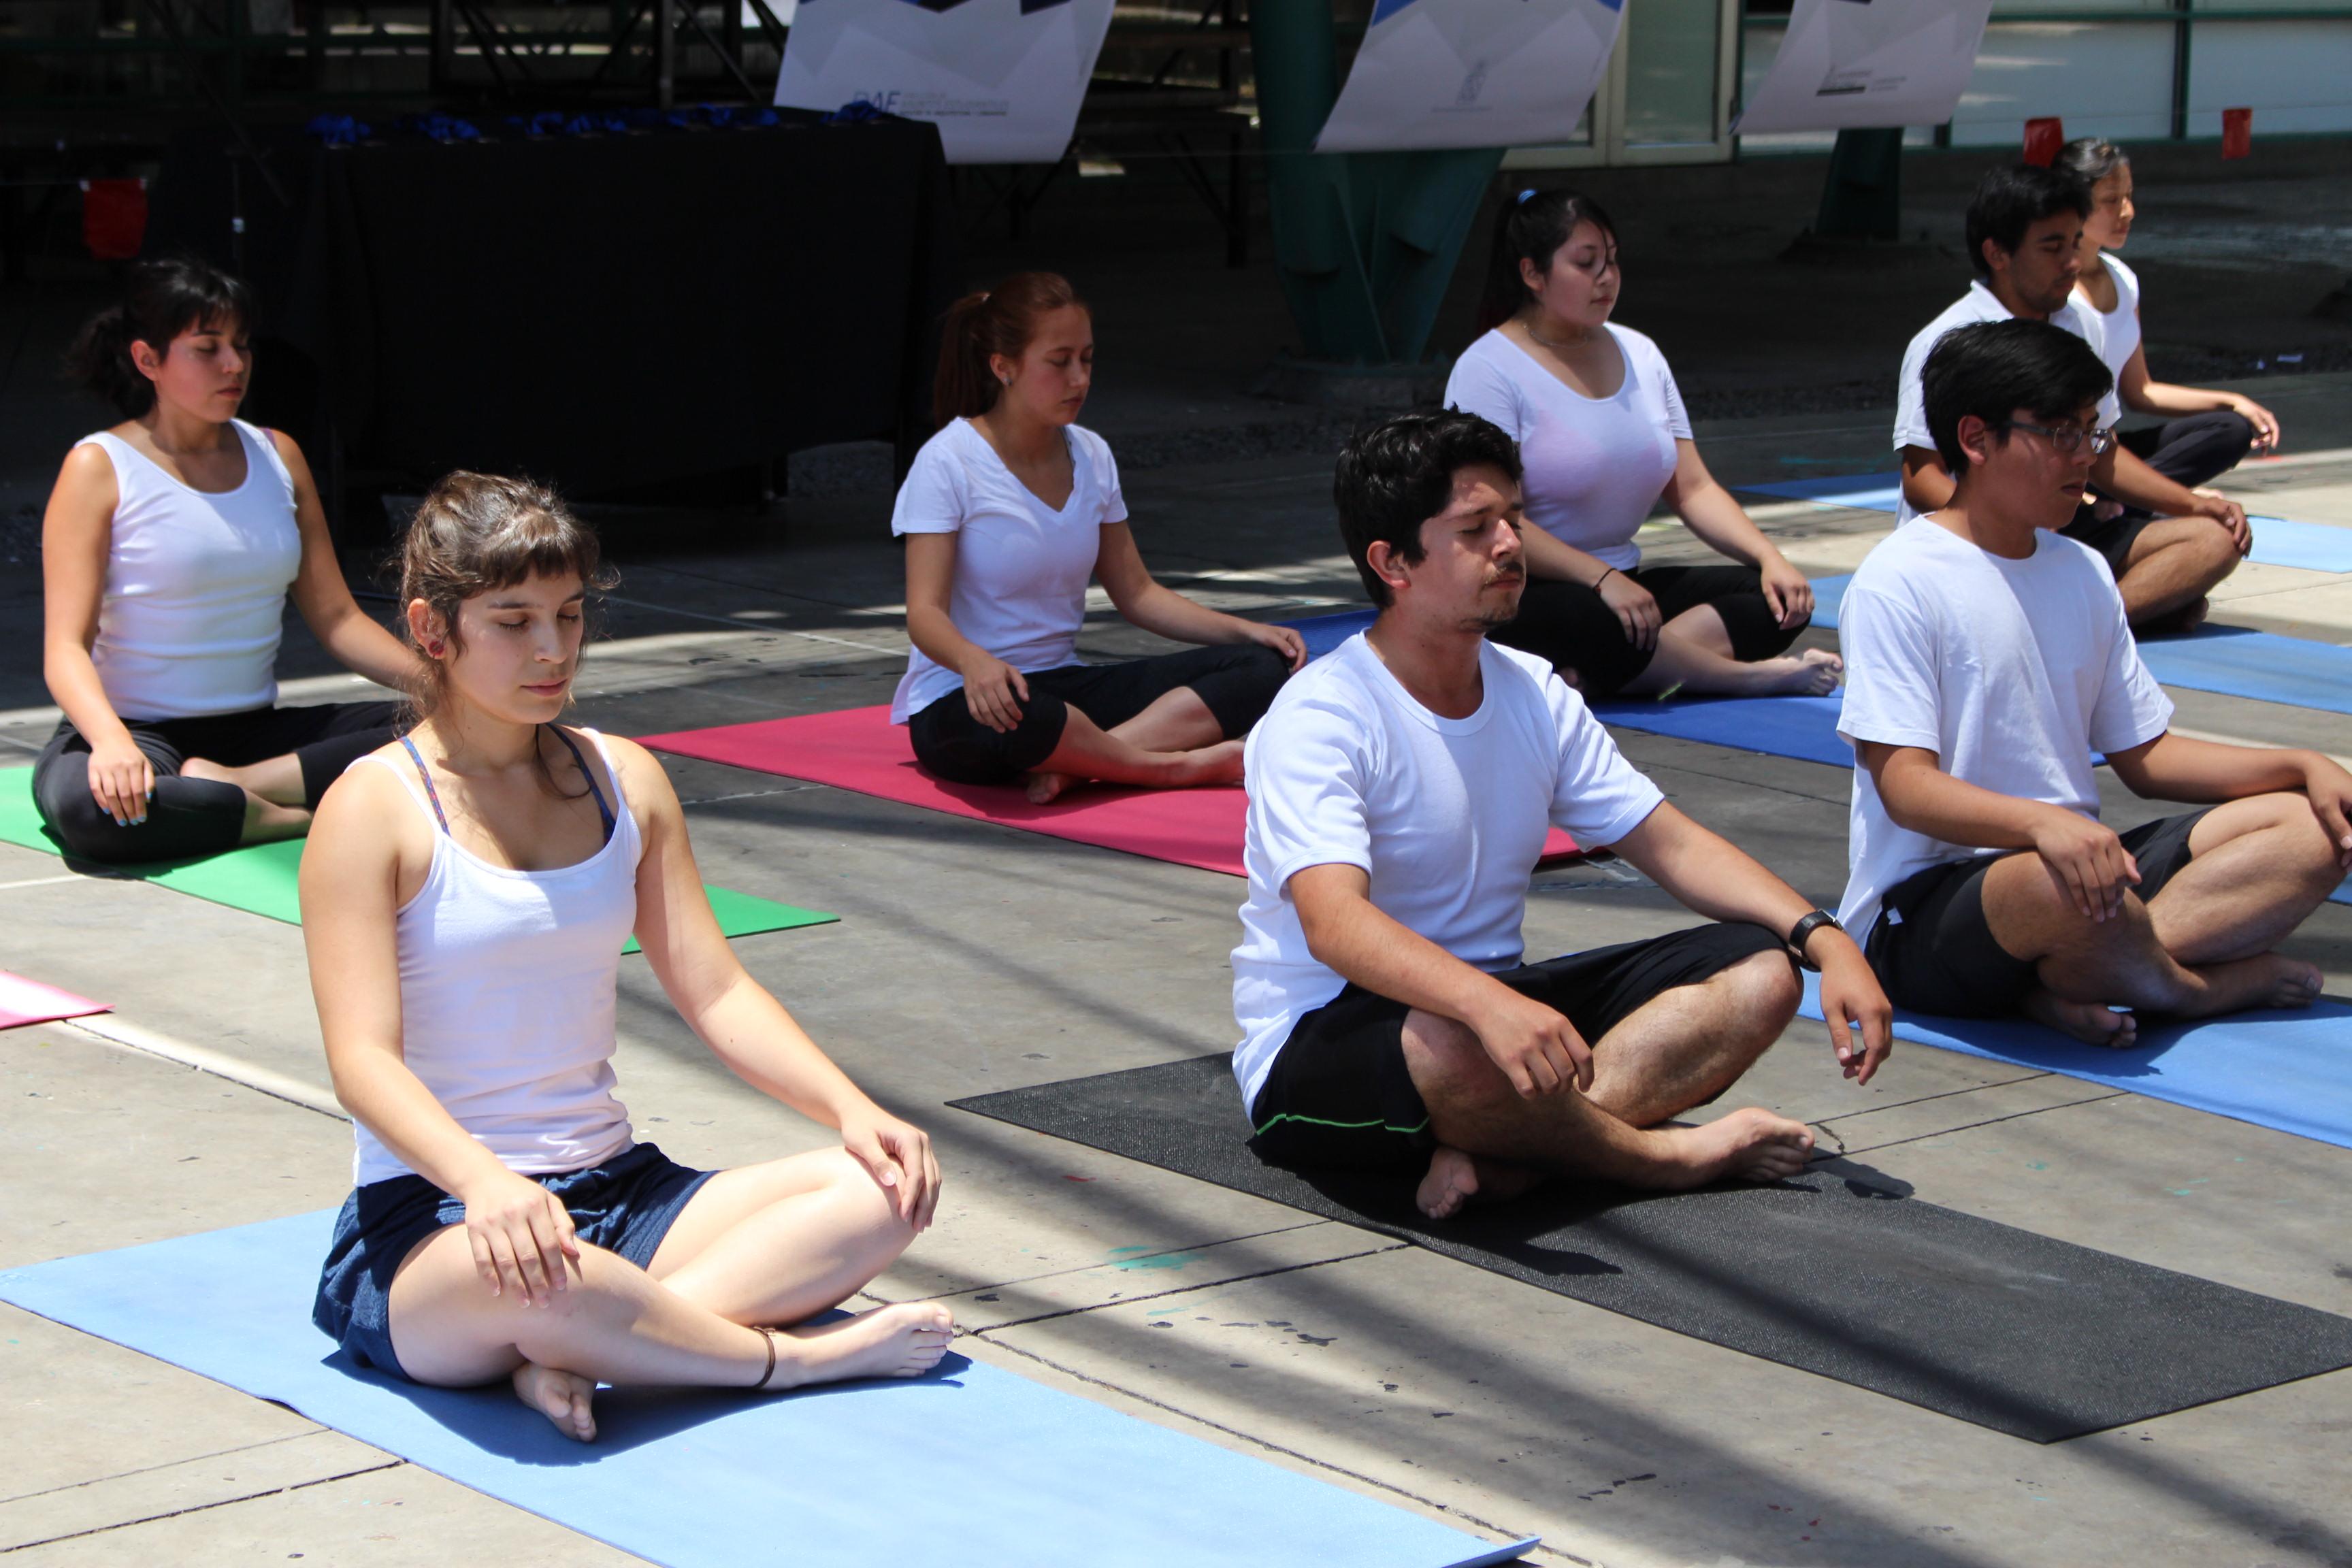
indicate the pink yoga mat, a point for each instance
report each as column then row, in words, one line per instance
column 859, row 749
column 24, row 1001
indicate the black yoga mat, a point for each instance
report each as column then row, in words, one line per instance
column 1838, row 1274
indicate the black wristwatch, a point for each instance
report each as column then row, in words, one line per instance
column 1803, row 931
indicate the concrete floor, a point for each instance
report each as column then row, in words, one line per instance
column 971, row 958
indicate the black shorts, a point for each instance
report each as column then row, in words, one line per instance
column 1339, row 1095
column 2113, row 538
column 1237, row 681
column 1573, row 626
column 1934, row 952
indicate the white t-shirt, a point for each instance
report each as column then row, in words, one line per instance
column 2118, row 329
column 1021, row 568
column 1595, row 466
column 1979, row 304
column 2012, row 673
column 1447, row 815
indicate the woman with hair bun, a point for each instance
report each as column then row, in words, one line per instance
column 172, row 544
column 1601, row 430
column 465, row 899
column 1008, row 512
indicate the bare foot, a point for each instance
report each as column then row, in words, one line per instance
column 1813, row 673
column 1220, row 763
column 561, row 1396
column 265, row 819
column 1044, row 787
column 2093, row 1023
column 1749, row 1145
column 902, row 1341
column 1456, row 1178
column 2266, row 980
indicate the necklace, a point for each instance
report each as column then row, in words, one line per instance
column 1574, row 342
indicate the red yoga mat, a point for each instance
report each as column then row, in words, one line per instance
column 859, row 749
column 24, row 1001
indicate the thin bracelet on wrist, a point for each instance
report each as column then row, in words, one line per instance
column 1605, row 570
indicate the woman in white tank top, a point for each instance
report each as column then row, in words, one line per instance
column 171, row 545
column 465, row 899
column 2204, row 433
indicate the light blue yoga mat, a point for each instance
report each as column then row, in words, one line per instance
column 2278, row 540
column 967, row 1466
column 2291, row 1071
column 1800, row 727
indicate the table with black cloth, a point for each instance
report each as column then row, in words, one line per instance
column 596, row 311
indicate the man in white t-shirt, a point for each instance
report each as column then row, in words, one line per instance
column 1401, row 790
column 2167, row 545
column 1986, row 662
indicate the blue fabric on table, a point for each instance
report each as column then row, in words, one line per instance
column 2287, row 1069
column 967, row 1465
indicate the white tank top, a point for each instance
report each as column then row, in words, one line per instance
column 506, row 996
column 2119, row 329
column 196, row 585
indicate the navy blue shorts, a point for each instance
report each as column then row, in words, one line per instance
column 624, row 1205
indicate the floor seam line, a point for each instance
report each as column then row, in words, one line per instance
column 1931, row 1099
column 1161, row 1252
column 150, row 1470
column 1989, row 1121
column 1267, row 1443
column 1185, row 1289
column 390, row 1464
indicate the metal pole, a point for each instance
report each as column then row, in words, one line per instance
column 2180, row 71
column 664, row 53
column 443, row 70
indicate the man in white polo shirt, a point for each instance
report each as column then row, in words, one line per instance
column 1401, row 790
column 2025, row 236
column 1987, row 659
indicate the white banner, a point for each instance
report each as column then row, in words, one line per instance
column 1001, row 79
column 1472, row 73
column 1856, row 64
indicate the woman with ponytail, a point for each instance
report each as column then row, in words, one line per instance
column 172, row 544
column 1008, row 513
column 1601, row 430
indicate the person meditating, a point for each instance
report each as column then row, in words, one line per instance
column 2204, row 434
column 172, row 543
column 466, row 895
column 2169, row 545
column 1400, row 792
column 1008, row 512
column 1601, row 430
column 1987, row 661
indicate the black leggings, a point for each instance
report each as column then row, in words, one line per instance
column 199, row 816
column 1573, row 626
column 1236, row 681
column 2196, row 448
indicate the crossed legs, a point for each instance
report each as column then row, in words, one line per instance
column 2171, row 565
column 1174, row 743
column 762, row 1245
column 2200, row 946
column 1680, row 1049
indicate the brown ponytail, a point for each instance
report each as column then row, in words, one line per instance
column 1000, row 321
column 160, row 300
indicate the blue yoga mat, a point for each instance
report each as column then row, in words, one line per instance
column 2291, row 1071
column 970, row 1464
column 2278, row 540
column 1800, row 727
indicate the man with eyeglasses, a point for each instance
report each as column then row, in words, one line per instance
column 2166, row 545
column 1987, row 662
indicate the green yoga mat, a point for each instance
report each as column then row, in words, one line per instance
column 264, row 879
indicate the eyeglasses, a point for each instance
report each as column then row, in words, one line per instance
column 2067, row 439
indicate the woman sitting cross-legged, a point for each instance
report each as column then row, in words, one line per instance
column 466, row 895
column 1601, row 430
column 1008, row 512
column 172, row 544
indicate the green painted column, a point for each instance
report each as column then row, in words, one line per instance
column 1365, row 242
